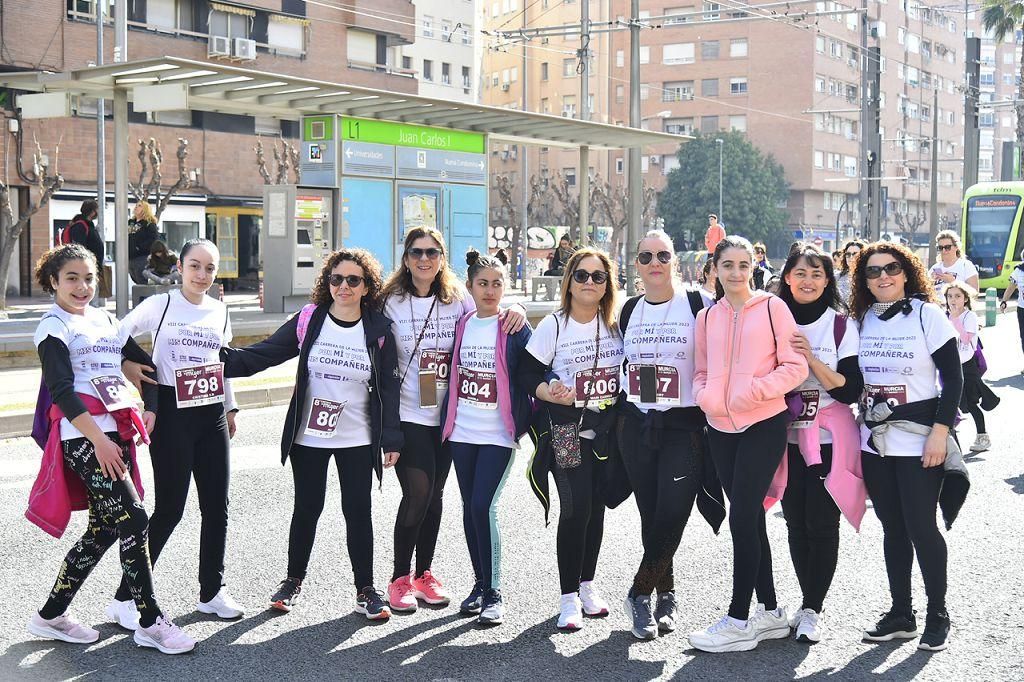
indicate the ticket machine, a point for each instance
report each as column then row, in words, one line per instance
column 299, row 230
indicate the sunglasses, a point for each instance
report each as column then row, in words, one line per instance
column 581, row 276
column 945, row 247
column 431, row 253
column 645, row 257
column 851, row 254
column 875, row 271
column 352, row 280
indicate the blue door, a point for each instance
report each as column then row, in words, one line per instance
column 418, row 205
column 465, row 222
column 367, row 218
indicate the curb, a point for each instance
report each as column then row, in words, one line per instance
column 19, row 424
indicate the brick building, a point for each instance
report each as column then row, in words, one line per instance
column 357, row 43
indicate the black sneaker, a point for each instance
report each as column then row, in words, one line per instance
column 370, row 602
column 665, row 612
column 473, row 604
column 638, row 608
column 893, row 625
column 287, row 594
column 936, row 632
column 492, row 610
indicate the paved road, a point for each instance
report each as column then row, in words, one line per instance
column 323, row 638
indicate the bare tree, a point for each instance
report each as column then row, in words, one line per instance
column 540, row 207
column 151, row 158
column 47, row 183
column 909, row 222
column 286, row 160
column 505, row 195
column 570, row 205
column 611, row 204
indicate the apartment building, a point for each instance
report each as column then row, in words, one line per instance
column 445, row 54
column 357, row 42
column 997, row 117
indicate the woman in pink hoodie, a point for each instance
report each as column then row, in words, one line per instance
column 744, row 366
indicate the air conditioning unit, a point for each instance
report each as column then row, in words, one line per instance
column 505, row 86
column 655, row 160
column 218, row 46
column 245, row 49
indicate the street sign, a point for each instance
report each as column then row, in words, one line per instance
column 431, row 164
column 367, row 159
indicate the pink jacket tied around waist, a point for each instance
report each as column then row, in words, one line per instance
column 58, row 491
column 845, row 482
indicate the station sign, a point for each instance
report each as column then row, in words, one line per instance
column 430, row 164
column 367, row 159
column 410, row 135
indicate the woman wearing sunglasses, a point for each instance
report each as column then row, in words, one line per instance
column 912, row 385
column 850, row 251
column 744, row 366
column 345, row 406
column 572, row 367
column 426, row 302
column 822, row 464
column 661, row 432
column 952, row 264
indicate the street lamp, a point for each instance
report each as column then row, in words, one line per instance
column 721, row 144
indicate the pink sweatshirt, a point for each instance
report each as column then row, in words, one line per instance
column 741, row 375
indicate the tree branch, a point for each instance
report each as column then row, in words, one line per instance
column 261, row 161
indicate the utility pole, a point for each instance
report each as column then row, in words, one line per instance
column 865, row 115
column 636, row 191
column 121, row 163
column 101, row 134
column 519, row 248
column 870, row 133
column 933, row 203
column 584, row 70
column 972, row 135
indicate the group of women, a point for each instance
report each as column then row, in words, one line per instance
column 675, row 398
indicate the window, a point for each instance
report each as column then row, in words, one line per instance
column 569, row 67
column 738, row 86
column 570, row 175
column 513, row 74
column 446, row 73
column 677, row 53
column 232, row 25
column 467, row 78
column 620, row 58
column 1008, row 59
column 679, row 126
column 620, row 94
column 266, row 125
column 543, row 71
column 569, row 106
column 406, row 62
column 677, row 91
column 362, row 47
column 467, row 35
column 645, row 91
column 428, row 69
column 709, row 87
column 446, row 30
column 669, row 162
column 709, row 124
column 494, row 79
column 645, row 54
column 545, row 106
column 284, row 34
column 712, row 11
column 819, row 84
column 170, row 118
column 428, row 26
column 738, row 123
column 738, row 47
column 676, row 15
column 819, row 159
column 645, row 163
column 819, row 45
column 619, row 164
column 504, row 76
column 850, row 166
column 709, row 49
column 913, row 43
column 159, row 13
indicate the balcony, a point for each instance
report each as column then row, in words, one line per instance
column 394, row 18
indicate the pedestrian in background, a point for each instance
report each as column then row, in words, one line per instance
column 1016, row 284
column 82, row 230
column 714, row 234
column 977, row 396
column 142, row 232
column 952, row 265
column 763, row 271
column 850, row 251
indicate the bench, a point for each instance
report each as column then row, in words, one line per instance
column 552, row 287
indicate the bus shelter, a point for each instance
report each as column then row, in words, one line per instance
column 373, row 162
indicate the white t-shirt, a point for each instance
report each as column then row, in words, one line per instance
column 568, row 347
column 409, row 314
column 94, row 342
column 821, row 336
column 663, row 331
column 962, row 268
column 896, row 359
column 339, row 375
column 478, row 420
column 190, row 335
column 1017, row 275
column 969, row 322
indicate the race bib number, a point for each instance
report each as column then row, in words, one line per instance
column 477, row 388
column 202, row 385
column 324, row 416
column 666, row 384
column 876, row 394
column 113, row 392
column 810, row 399
column 439, row 362
column 600, row 384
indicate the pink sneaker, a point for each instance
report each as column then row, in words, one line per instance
column 400, row 595
column 429, row 589
column 62, row 628
column 165, row 636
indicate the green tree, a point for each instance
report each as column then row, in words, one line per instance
column 753, row 187
column 1002, row 19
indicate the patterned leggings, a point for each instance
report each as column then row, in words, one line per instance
column 115, row 513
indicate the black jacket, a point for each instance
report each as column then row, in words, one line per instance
column 84, row 232
column 283, row 345
column 141, row 241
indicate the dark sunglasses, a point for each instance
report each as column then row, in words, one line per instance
column 645, row 257
column 851, row 254
column 431, row 253
column 581, row 276
column 352, row 280
column 945, row 247
column 875, row 271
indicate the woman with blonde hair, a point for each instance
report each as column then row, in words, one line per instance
column 142, row 232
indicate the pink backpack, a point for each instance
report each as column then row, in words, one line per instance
column 304, row 316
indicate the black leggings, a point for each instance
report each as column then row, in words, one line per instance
column 187, row 443
column 422, row 472
column 812, row 519
column 665, row 480
column 970, row 399
column 1020, row 324
column 905, row 496
column 115, row 513
column 746, row 463
column 355, row 474
column 580, row 519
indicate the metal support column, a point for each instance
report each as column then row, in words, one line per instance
column 101, row 136
column 584, row 174
column 635, row 194
column 121, row 198
column 933, row 203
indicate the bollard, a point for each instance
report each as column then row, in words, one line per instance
column 991, row 306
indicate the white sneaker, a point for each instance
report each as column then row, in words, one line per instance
column 981, row 443
column 223, row 604
column 594, row 605
column 165, row 636
column 124, row 613
column 725, row 636
column 810, row 626
column 770, row 624
column 570, row 615
column 62, row 628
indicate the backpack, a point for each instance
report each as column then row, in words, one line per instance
column 694, row 297
column 65, row 233
column 304, row 316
